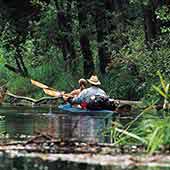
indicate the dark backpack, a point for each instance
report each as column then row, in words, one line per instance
column 100, row 102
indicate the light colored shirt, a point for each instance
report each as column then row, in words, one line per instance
column 87, row 93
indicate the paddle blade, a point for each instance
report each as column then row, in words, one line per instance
column 52, row 92
column 38, row 84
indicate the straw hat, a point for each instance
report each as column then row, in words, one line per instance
column 94, row 80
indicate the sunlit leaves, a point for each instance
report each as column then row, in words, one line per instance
column 164, row 90
column 155, row 140
column 159, row 91
column 163, row 14
column 131, row 135
column 161, row 80
column 38, row 3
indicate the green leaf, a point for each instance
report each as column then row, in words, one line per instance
column 162, row 80
column 155, row 140
column 167, row 89
column 130, row 134
column 2, row 61
column 159, row 91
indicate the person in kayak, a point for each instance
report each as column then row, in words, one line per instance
column 92, row 97
column 82, row 85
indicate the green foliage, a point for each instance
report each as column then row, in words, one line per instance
column 120, row 135
column 164, row 90
column 43, row 58
column 151, row 127
column 163, row 14
column 155, row 126
column 2, row 61
column 129, row 75
column 155, row 131
column 143, row 2
column 133, row 66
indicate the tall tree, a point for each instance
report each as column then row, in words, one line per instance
column 105, row 26
column 84, row 39
column 64, row 17
column 151, row 24
column 102, row 32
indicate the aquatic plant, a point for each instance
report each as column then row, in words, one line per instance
column 154, row 126
column 120, row 134
column 163, row 90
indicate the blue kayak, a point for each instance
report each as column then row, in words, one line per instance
column 70, row 108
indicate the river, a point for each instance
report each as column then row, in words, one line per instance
column 23, row 123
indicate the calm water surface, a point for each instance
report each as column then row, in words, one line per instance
column 22, row 123
column 23, row 163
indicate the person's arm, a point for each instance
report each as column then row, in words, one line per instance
column 71, row 95
column 80, row 97
column 75, row 92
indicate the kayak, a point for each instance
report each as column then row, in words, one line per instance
column 69, row 108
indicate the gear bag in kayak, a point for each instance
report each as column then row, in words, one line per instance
column 100, row 102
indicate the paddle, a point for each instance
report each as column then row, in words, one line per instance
column 50, row 91
column 38, row 84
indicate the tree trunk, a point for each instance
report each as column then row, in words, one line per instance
column 18, row 56
column 102, row 33
column 67, row 41
column 84, row 39
column 151, row 24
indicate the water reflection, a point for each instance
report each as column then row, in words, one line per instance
column 65, row 126
column 23, row 163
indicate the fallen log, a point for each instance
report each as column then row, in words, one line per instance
column 127, row 102
column 4, row 92
column 31, row 99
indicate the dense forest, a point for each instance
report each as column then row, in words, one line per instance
column 124, row 42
